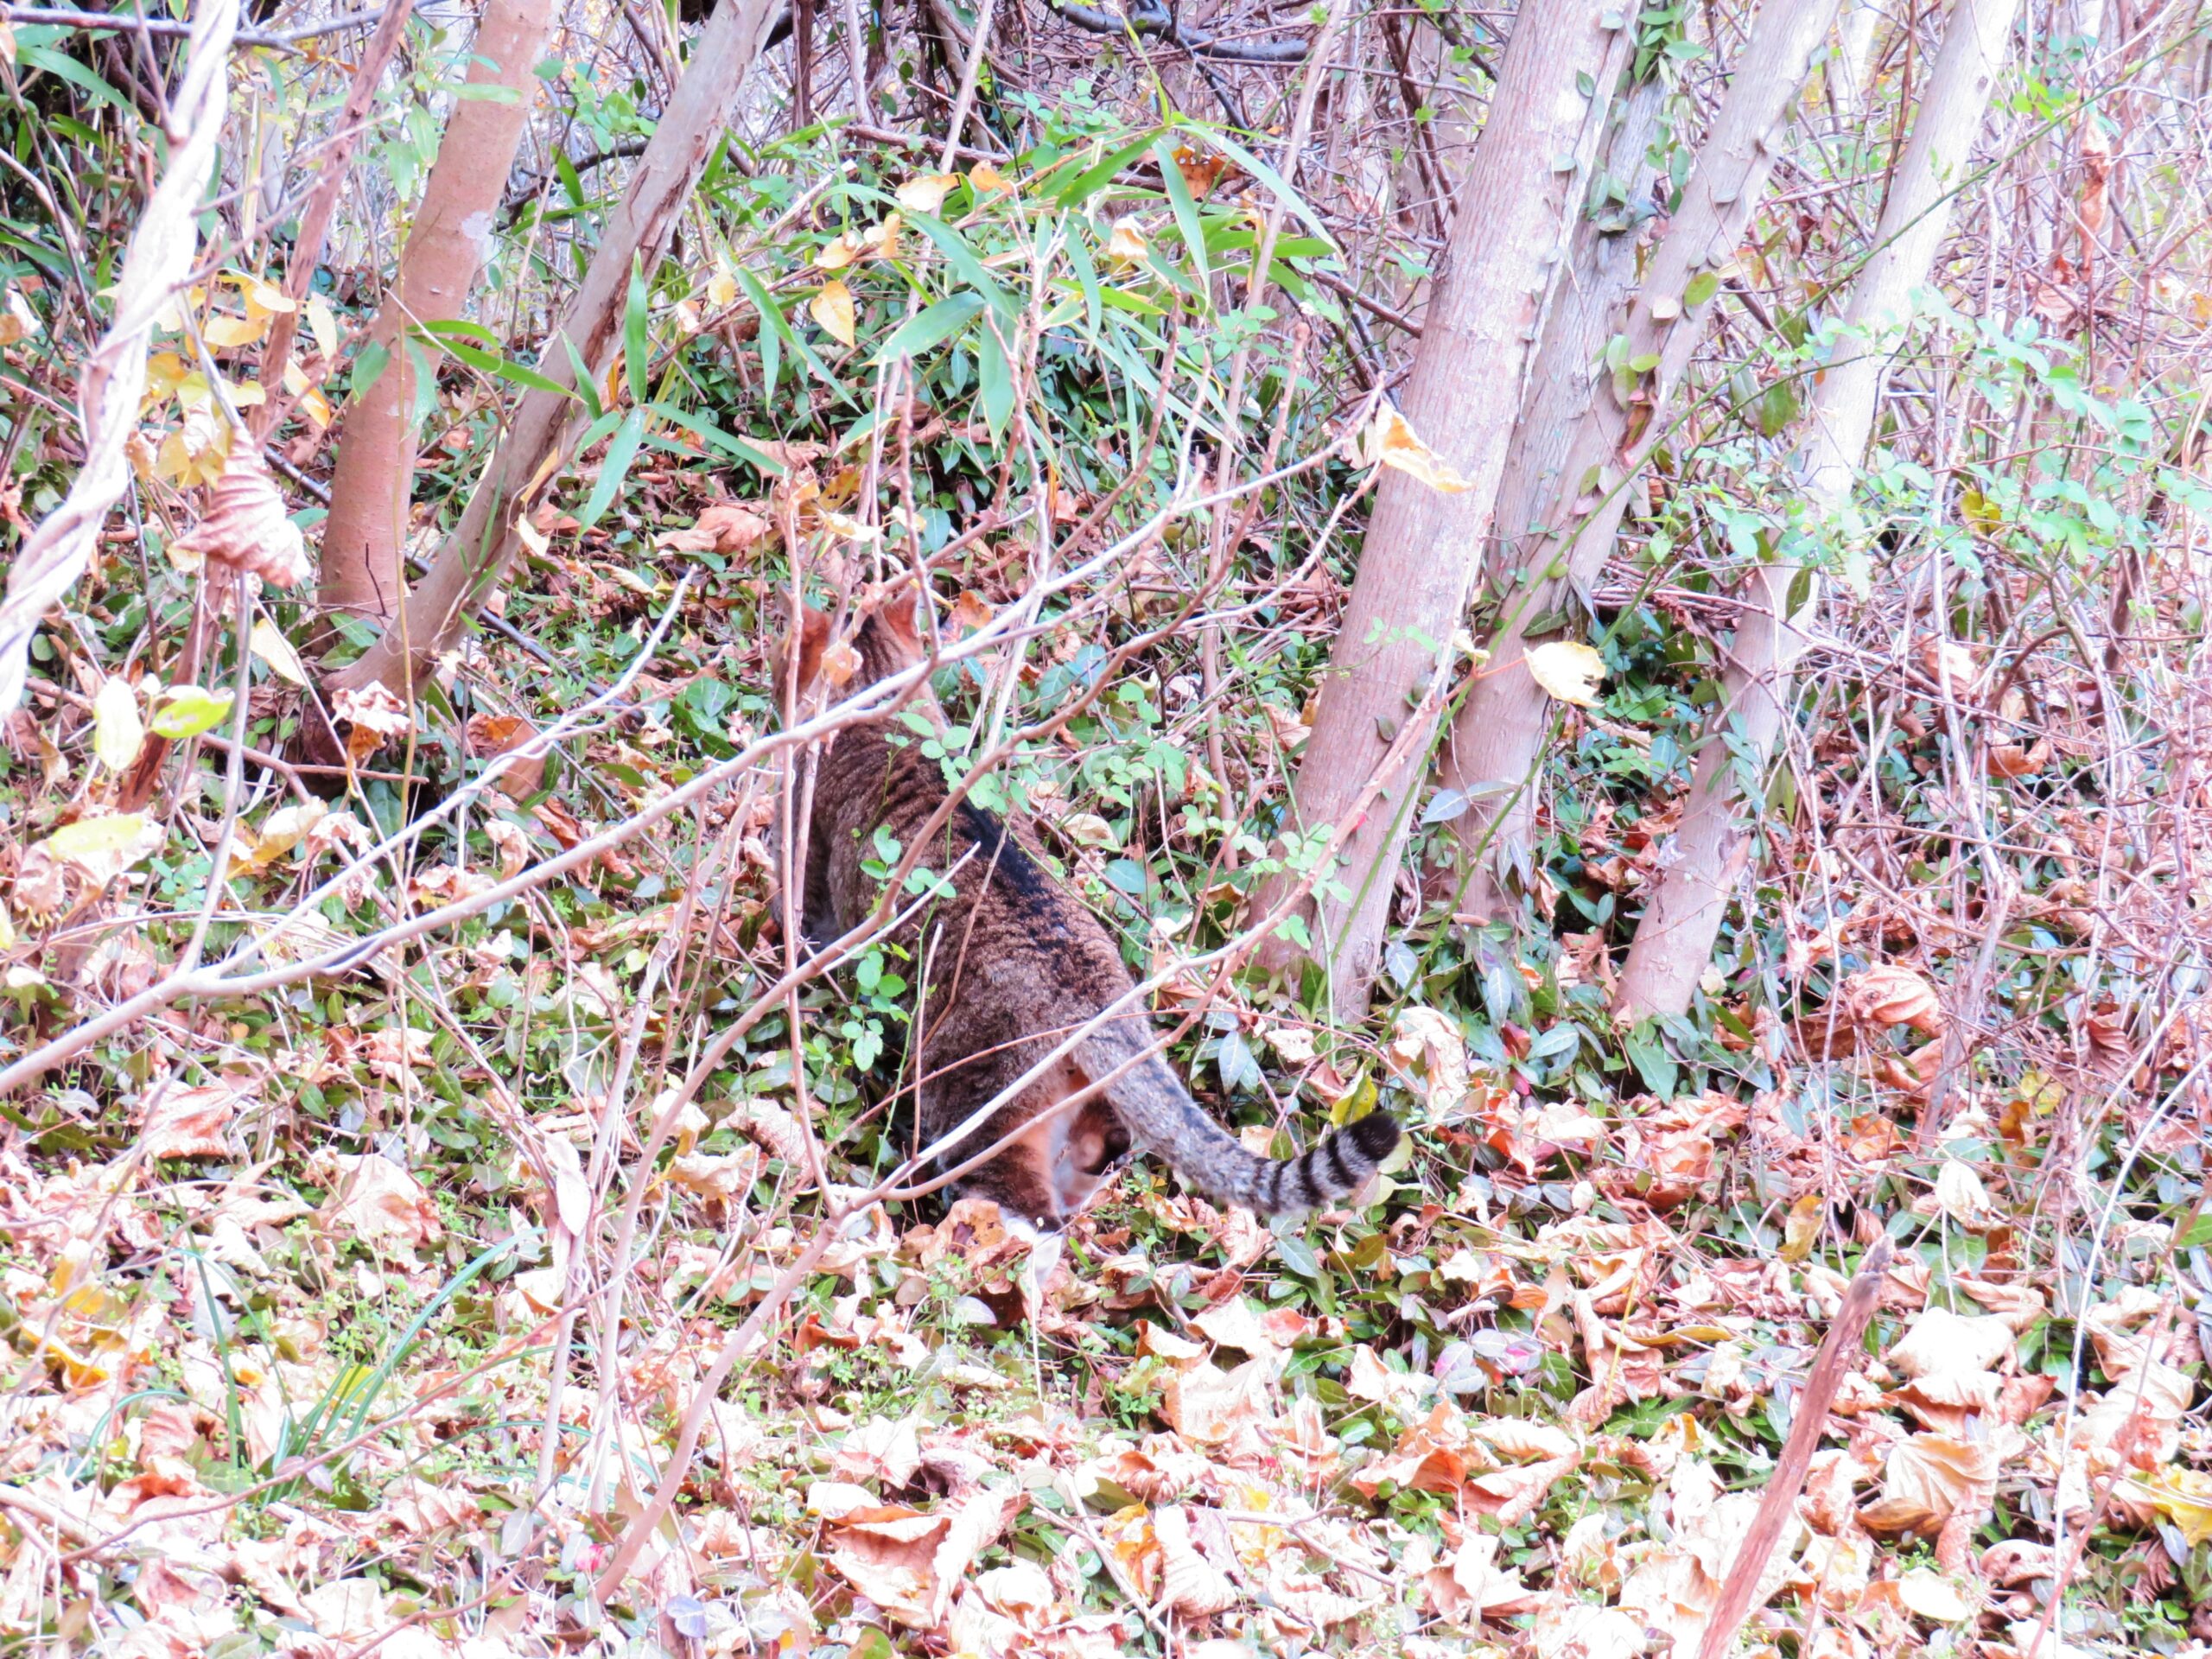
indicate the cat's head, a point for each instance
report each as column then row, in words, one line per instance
column 886, row 632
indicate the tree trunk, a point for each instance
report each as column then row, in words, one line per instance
column 447, row 246
column 1423, row 548
column 542, row 433
column 1576, row 503
column 1674, row 941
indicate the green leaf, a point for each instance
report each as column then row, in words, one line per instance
column 616, row 467
column 1298, row 1255
column 97, row 837
column 1647, row 1053
column 368, row 369
column 637, row 355
column 1085, row 185
column 962, row 259
column 1778, row 408
column 931, row 327
column 188, row 710
column 1187, row 221
column 995, row 377
column 447, row 327
column 1702, row 287
column 60, row 64
column 1240, row 1071
column 586, row 383
column 572, row 183
column 708, row 433
column 507, row 369
column 771, row 333
column 1267, row 175
column 1086, row 277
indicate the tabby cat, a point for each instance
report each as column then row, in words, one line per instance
column 1011, row 963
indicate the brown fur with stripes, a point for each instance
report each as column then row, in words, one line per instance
column 1011, row 963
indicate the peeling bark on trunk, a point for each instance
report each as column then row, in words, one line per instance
column 1575, row 506
column 447, row 247
column 1674, row 942
column 1424, row 548
column 544, row 432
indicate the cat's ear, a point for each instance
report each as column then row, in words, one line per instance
column 906, row 614
column 813, row 640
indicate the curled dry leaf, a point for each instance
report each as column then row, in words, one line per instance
column 372, row 716
column 729, row 527
column 725, row 1177
column 1189, row 1583
column 1893, row 995
column 1207, row 1405
column 1951, row 665
column 1567, row 669
column 379, row 1203
column 1939, row 1340
column 926, row 193
column 1930, row 1477
column 1430, row 1053
column 189, row 1122
column 490, row 737
column 2017, row 1561
column 1127, row 246
column 1390, row 441
column 909, row 1563
column 246, row 527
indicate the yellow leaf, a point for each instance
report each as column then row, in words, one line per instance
column 280, row 832
column 1802, row 1227
column 226, row 332
column 277, row 650
column 837, row 254
column 18, row 321
column 317, row 407
column 1568, row 670
column 721, row 289
column 322, row 323
column 97, row 838
column 1127, row 243
column 7, row 45
column 881, row 241
column 851, row 529
column 117, row 732
column 263, row 298
column 833, row 308
column 165, row 372
column 926, row 194
column 983, row 178
column 2182, row 1496
column 1391, row 442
